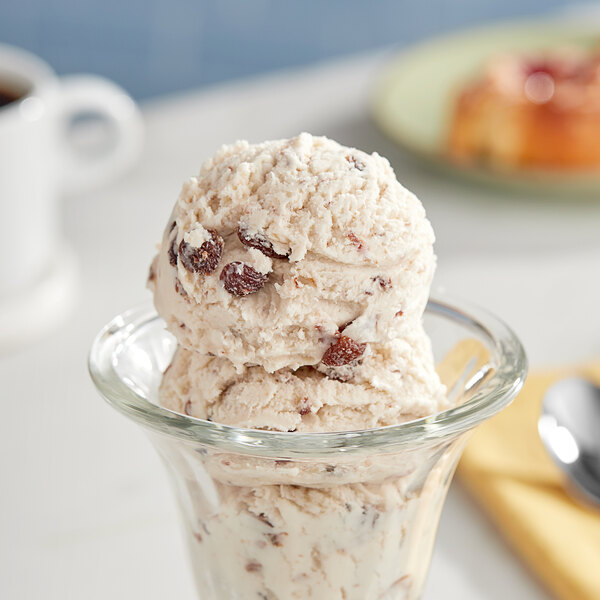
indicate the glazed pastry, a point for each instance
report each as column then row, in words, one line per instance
column 531, row 111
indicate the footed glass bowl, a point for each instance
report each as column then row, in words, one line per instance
column 286, row 516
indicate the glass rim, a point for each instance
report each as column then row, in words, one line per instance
column 493, row 395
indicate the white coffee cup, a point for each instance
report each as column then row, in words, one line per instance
column 39, row 164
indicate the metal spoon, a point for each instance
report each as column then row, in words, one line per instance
column 570, row 429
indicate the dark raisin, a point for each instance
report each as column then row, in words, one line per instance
column 384, row 283
column 253, row 567
column 204, row 259
column 330, row 468
column 352, row 237
column 258, row 241
column 276, row 538
column 173, row 252
column 343, row 351
column 241, row 279
column 262, row 517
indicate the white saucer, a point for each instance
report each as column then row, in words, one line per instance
column 39, row 309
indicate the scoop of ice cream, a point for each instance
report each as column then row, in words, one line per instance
column 275, row 249
column 393, row 383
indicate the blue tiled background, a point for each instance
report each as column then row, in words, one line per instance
column 154, row 47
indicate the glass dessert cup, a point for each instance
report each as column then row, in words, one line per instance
column 285, row 516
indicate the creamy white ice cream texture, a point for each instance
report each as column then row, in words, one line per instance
column 393, row 383
column 338, row 239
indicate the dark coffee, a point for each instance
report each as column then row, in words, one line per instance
column 8, row 96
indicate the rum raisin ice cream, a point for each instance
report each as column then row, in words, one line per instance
column 307, row 400
column 276, row 250
column 294, row 275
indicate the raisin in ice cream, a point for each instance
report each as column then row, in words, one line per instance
column 276, row 252
column 294, row 275
column 306, row 400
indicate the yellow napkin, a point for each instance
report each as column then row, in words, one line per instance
column 506, row 467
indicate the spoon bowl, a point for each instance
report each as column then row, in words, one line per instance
column 569, row 427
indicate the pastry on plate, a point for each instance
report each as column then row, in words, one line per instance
column 531, row 111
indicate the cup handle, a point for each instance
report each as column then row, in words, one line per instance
column 92, row 95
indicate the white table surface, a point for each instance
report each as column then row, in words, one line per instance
column 85, row 511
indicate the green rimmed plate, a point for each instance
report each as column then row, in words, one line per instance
column 414, row 97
